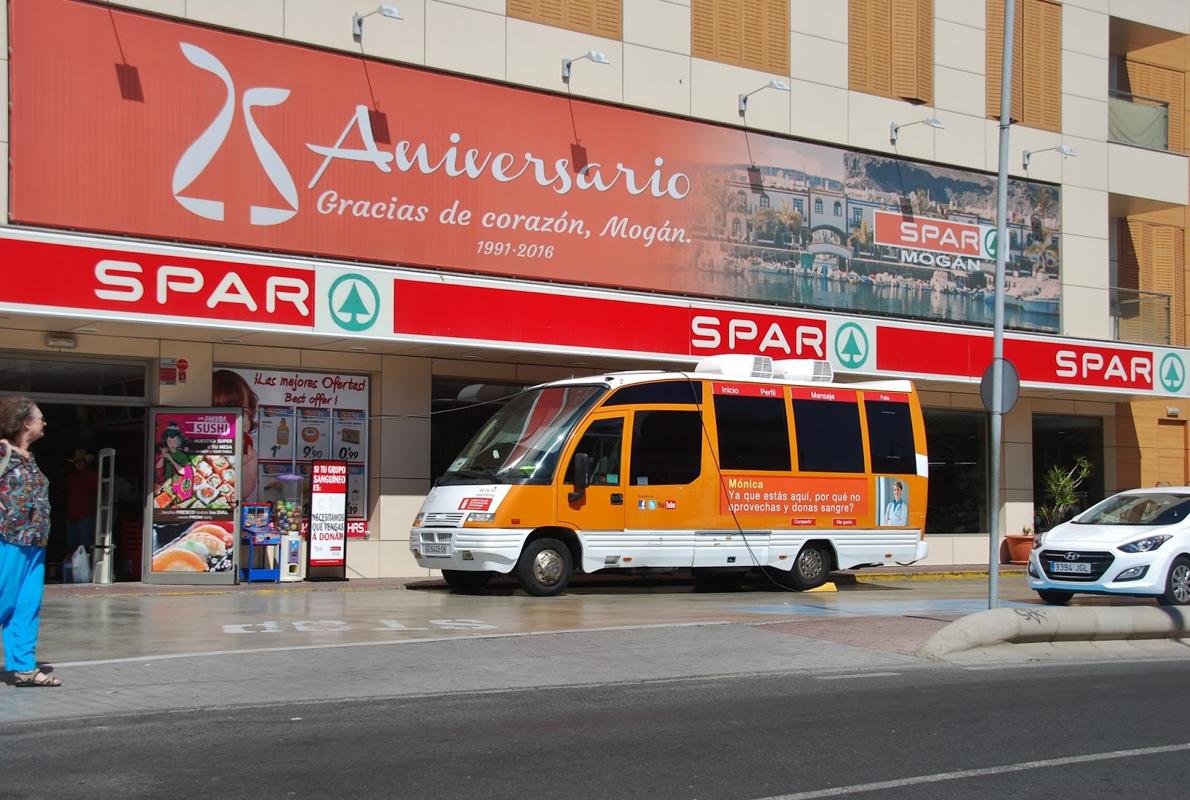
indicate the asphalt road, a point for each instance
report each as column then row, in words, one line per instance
column 1090, row 730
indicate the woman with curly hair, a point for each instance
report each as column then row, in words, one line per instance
column 24, row 530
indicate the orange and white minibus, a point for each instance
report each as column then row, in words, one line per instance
column 744, row 463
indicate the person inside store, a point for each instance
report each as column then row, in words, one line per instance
column 896, row 511
column 230, row 390
column 81, row 495
column 24, row 531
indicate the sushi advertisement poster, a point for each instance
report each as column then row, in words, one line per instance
column 195, row 490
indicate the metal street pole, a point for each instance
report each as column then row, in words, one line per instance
column 998, row 324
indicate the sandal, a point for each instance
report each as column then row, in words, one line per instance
column 35, row 678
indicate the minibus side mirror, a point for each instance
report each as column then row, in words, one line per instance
column 582, row 475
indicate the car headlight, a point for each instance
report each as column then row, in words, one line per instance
column 1038, row 540
column 1146, row 544
column 418, row 519
column 478, row 516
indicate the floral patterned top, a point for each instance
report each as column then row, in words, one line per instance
column 24, row 500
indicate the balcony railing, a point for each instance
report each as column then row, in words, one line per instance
column 1137, row 120
column 1141, row 317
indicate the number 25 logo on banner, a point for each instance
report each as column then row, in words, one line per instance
column 198, row 156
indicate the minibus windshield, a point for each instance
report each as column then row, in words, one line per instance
column 522, row 441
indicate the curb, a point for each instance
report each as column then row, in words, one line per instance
column 1043, row 624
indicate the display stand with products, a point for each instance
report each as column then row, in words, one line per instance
column 257, row 531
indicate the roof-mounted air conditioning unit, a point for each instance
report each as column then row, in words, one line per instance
column 804, row 369
column 736, row 366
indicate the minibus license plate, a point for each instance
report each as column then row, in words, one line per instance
column 435, row 549
column 1070, row 566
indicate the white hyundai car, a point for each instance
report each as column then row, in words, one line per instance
column 1133, row 543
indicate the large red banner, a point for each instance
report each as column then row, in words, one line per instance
column 138, row 125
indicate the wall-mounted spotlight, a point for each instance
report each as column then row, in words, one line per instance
column 1065, row 149
column 62, row 341
column 594, row 55
column 357, row 20
column 779, row 85
column 894, row 128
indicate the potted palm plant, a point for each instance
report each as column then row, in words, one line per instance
column 1061, row 486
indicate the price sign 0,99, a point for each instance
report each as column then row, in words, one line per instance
column 328, row 514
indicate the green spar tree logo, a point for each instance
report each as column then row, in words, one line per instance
column 354, row 302
column 851, row 346
column 1172, row 373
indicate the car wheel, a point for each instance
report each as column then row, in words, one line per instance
column 466, row 580
column 544, row 567
column 1054, row 597
column 1177, row 584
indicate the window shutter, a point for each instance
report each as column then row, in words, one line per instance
column 925, row 51
column 598, row 17
column 1160, row 83
column 1033, row 43
column 609, row 19
column 752, row 34
column 859, row 46
column 729, row 30
column 911, row 44
column 1050, row 20
column 702, row 28
column 995, row 61
column 522, row 9
column 777, row 37
column 880, row 63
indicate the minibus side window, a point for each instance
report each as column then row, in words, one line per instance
column 666, row 448
column 602, row 442
column 828, row 436
column 890, row 437
column 672, row 392
column 753, row 432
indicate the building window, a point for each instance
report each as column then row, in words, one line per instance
column 817, row 205
column 798, row 207
column 857, row 216
column 1135, row 112
column 958, row 447
column 597, row 17
column 746, row 33
column 1152, row 266
column 765, row 202
column 838, row 209
column 1036, row 62
column 890, row 50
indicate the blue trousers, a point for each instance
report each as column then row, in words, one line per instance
column 22, row 583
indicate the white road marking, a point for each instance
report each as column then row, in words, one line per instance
column 857, row 676
column 383, row 643
column 857, row 788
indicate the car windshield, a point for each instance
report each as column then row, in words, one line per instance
column 1156, row 508
column 522, row 441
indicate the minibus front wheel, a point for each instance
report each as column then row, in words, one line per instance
column 545, row 567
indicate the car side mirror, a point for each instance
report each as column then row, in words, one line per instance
column 582, row 475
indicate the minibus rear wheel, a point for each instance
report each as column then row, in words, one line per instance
column 810, row 569
column 467, row 580
column 544, row 567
